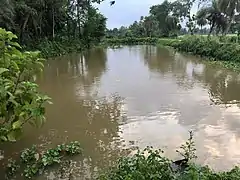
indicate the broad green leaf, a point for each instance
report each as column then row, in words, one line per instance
column 37, row 156
column 3, row 138
column 2, row 70
column 22, row 114
column 11, row 137
column 17, row 125
column 14, row 135
column 15, row 44
column 15, row 65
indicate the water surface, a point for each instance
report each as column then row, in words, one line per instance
column 115, row 99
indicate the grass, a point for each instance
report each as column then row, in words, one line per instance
column 224, row 51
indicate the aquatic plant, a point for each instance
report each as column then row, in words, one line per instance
column 33, row 162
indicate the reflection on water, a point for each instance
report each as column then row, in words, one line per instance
column 115, row 99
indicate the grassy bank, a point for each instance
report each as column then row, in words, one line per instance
column 150, row 164
column 129, row 41
column 157, row 167
column 58, row 47
column 220, row 51
column 64, row 46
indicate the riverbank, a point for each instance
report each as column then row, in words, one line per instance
column 223, row 51
column 219, row 51
column 61, row 47
column 151, row 164
column 129, row 41
column 58, row 47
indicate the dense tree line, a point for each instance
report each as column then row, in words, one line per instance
column 32, row 20
column 174, row 18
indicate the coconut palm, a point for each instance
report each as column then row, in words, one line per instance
column 214, row 15
column 201, row 22
column 225, row 10
column 230, row 8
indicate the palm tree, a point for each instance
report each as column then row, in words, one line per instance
column 213, row 14
column 201, row 22
column 229, row 8
column 225, row 11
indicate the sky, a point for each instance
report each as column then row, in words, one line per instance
column 125, row 12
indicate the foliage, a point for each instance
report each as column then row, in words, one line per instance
column 220, row 14
column 12, row 168
column 188, row 149
column 140, row 167
column 48, row 20
column 213, row 47
column 34, row 162
column 59, row 47
column 129, row 41
column 20, row 101
column 150, row 164
column 163, row 20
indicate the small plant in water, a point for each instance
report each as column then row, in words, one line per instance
column 73, row 148
column 11, row 169
column 31, row 170
column 34, row 163
column 29, row 155
column 50, row 157
column 188, row 150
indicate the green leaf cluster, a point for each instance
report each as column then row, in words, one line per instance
column 212, row 47
column 34, row 162
column 150, row 164
column 20, row 100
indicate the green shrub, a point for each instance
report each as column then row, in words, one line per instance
column 60, row 47
column 152, row 165
column 129, row 41
column 20, row 101
column 212, row 47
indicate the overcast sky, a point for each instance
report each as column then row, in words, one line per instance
column 125, row 12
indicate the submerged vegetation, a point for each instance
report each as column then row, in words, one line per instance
column 32, row 162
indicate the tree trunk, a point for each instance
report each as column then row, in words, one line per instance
column 23, row 27
column 78, row 19
column 53, row 23
column 232, row 18
column 211, row 29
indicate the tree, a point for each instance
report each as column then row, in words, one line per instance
column 213, row 14
column 201, row 22
column 33, row 21
column 229, row 8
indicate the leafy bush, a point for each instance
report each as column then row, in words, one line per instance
column 59, row 47
column 211, row 47
column 129, row 41
column 151, row 165
column 20, row 101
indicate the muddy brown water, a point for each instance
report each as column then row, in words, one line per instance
column 116, row 99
